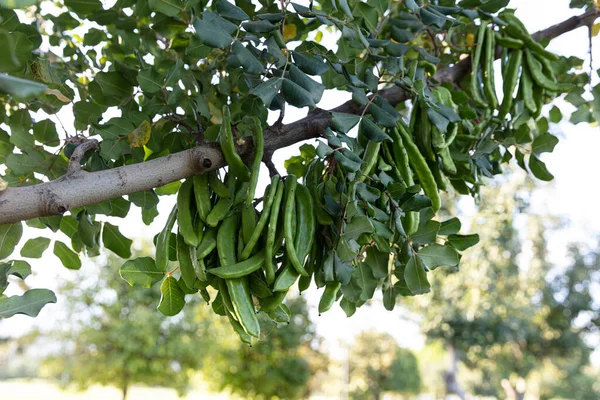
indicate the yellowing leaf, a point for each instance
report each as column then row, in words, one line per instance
column 3, row 185
column 595, row 29
column 289, row 32
column 58, row 94
column 216, row 114
column 470, row 39
column 140, row 135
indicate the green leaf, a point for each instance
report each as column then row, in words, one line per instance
column 343, row 122
column 364, row 275
column 259, row 26
column 17, row 3
column 368, row 14
column 431, row 17
column 450, row 227
column 18, row 48
column 348, row 307
column 34, row 248
column 544, row 144
column 358, row 226
column 141, row 271
column 45, row 132
column 267, row 90
column 20, row 268
column 555, row 115
column 426, row 234
column 435, row 255
column 538, row 169
column 115, row 241
column 309, row 64
column 146, row 199
column 9, row 238
column 416, row 276
column 389, row 297
column 372, row 132
column 228, row 10
column 21, row 88
column 314, row 88
column 30, row 303
column 296, row 95
column 212, row 34
column 149, row 80
column 382, row 117
column 68, row 257
column 247, row 60
column 493, row 6
column 167, row 7
column 114, row 86
column 463, row 242
column 172, row 297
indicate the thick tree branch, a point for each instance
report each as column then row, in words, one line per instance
column 85, row 188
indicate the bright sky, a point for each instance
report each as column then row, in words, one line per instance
column 573, row 194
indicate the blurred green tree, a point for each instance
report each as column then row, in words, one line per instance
column 279, row 366
column 377, row 365
column 511, row 310
column 114, row 335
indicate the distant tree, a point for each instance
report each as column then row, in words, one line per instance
column 505, row 316
column 377, row 365
column 279, row 366
column 115, row 336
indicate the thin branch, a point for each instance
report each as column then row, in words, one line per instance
column 78, row 154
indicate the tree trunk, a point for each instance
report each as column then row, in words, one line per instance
column 452, row 385
column 124, row 391
column 514, row 393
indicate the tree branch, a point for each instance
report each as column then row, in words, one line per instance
column 85, row 188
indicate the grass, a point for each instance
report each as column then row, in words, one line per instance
column 39, row 389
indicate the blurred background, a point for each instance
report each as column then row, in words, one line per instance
column 520, row 320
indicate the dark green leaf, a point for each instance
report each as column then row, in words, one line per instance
column 314, row 88
column 544, row 144
column 167, row 7
column 357, row 227
column 416, row 276
column 247, row 60
column 426, row 233
column 538, row 169
column 297, row 95
column 309, row 64
column 344, row 122
column 463, row 242
column 267, row 90
column 230, row 11
column 212, row 34
column 115, row 241
column 259, row 26
column 372, row 132
column 389, row 297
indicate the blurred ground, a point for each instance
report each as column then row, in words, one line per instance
column 38, row 389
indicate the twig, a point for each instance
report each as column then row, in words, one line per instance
column 77, row 156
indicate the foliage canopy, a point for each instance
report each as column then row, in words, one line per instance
column 164, row 91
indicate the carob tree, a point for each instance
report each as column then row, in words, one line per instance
column 162, row 92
